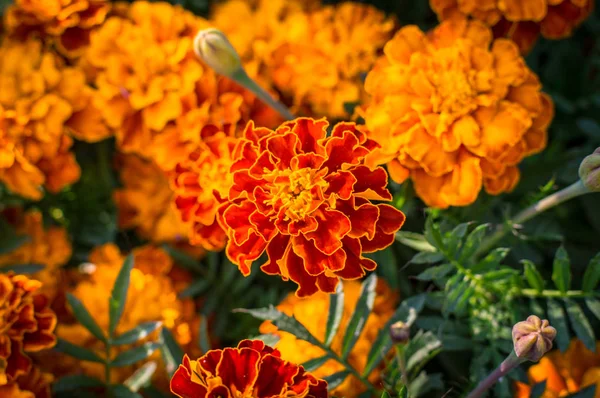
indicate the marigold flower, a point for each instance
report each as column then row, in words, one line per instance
column 304, row 199
column 312, row 313
column 49, row 246
column 455, row 110
column 520, row 20
column 251, row 369
column 201, row 183
column 565, row 374
column 34, row 384
column 154, row 279
column 26, row 325
column 67, row 23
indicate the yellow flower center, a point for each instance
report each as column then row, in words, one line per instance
column 216, row 175
column 293, row 190
column 454, row 91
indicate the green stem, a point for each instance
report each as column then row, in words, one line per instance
column 107, row 367
column 402, row 363
column 568, row 193
column 533, row 293
column 242, row 78
column 354, row 372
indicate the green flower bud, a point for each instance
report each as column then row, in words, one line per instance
column 213, row 47
column 589, row 171
column 533, row 338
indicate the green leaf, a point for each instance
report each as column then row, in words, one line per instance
column 183, row 259
column 591, row 277
column 594, row 306
column 456, row 236
column 9, row 240
column 435, row 272
column 315, row 363
column 137, row 333
column 85, row 319
column 77, row 352
column 387, row 266
column 492, row 260
column 385, row 394
column 196, row 288
column 116, row 302
column 561, row 270
column 415, row 241
column 458, row 292
column 136, row 354
column 538, row 390
column 433, row 234
column 203, row 337
column 141, row 377
column 581, row 325
column 22, row 268
column 558, row 320
column 336, row 379
column 588, row 392
column 360, row 315
column 425, row 383
column 472, row 243
column 75, row 382
column 421, row 349
column 269, row 339
column 334, row 317
column 403, row 393
column 427, row 258
column 534, row 278
column 171, row 352
column 121, row 391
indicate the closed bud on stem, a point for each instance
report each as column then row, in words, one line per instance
column 532, row 338
column 589, row 171
column 212, row 46
column 400, row 332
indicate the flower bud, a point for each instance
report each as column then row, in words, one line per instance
column 589, row 171
column 532, row 338
column 213, row 47
column 400, row 332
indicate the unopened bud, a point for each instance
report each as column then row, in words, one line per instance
column 400, row 332
column 533, row 338
column 589, row 171
column 213, row 47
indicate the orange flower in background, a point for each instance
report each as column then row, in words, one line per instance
column 565, row 373
column 26, row 325
column 154, row 280
column 34, row 384
column 455, row 111
column 145, row 201
column 201, row 183
column 312, row 313
column 67, row 23
column 305, row 200
column 520, row 20
column 49, row 246
column 251, row 369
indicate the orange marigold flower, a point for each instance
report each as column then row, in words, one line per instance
column 49, row 246
column 564, row 373
column 305, row 199
column 154, row 279
column 201, row 184
column 252, row 369
column 26, row 325
column 67, row 23
column 145, row 201
column 455, row 110
column 34, row 384
column 312, row 313
column 520, row 20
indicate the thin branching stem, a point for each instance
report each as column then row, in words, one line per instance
column 349, row 367
column 533, row 293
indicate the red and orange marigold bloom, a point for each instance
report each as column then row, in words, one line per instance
column 305, row 200
column 252, row 369
column 34, row 384
column 520, row 20
column 26, row 325
column 455, row 111
column 201, row 184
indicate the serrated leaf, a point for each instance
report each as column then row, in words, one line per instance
column 23, row 269
column 557, row 318
column 581, row 325
column 427, row 258
column 315, row 363
column 141, row 377
column 85, row 318
column 435, row 272
column 203, row 337
column 137, row 333
column 334, row 317
column 269, row 339
column 591, row 277
column 116, row 302
column 472, row 243
column 336, row 379
column 171, row 352
column 360, row 315
column 77, row 352
column 134, row 355
column 492, row 260
column 561, row 270
column 121, row 391
column 75, row 382
column 534, row 278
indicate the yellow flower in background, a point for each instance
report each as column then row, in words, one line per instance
column 66, row 23
column 312, row 313
column 455, row 111
column 565, row 373
column 47, row 246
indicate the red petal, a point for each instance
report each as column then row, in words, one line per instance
column 363, row 218
column 371, row 184
column 309, row 132
column 341, row 183
column 315, row 261
column 244, row 255
column 243, row 183
column 355, row 264
column 307, row 284
column 342, row 150
column 182, row 385
column 275, row 376
column 239, row 367
column 333, row 226
column 264, row 161
column 275, row 252
column 390, row 219
column 327, row 284
column 236, row 217
column 245, row 155
column 283, row 147
column 307, row 160
column 263, row 225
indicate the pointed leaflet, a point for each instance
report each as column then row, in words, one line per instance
column 581, row 325
column 77, row 352
column 534, row 279
column 22, row 268
column 9, row 240
column 472, row 243
column 315, row 363
column 121, row 391
column 557, row 317
column 141, row 377
column 591, row 277
column 492, row 260
column 336, row 379
column 138, row 333
column 83, row 316
column 135, row 354
column 171, row 352
column 561, row 270
column 456, row 236
column 361, row 313
column 594, row 306
column 427, row 258
column 203, row 338
column 436, row 272
column 116, row 302
column 336, row 310
column 75, row 382
column 538, row 390
column 420, row 350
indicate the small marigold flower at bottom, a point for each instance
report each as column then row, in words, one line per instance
column 252, row 369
